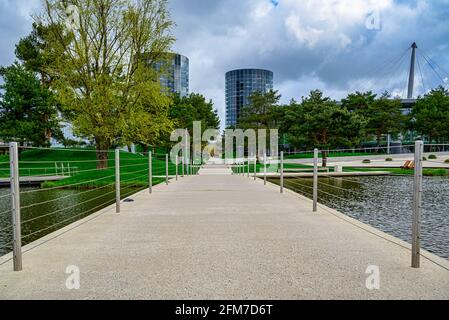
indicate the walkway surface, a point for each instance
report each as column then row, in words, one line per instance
column 218, row 236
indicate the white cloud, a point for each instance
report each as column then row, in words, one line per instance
column 305, row 35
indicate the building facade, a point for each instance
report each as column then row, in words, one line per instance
column 176, row 74
column 240, row 85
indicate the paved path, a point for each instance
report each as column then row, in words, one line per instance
column 379, row 161
column 218, row 236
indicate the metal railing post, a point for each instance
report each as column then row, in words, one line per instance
column 15, row 203
column 255, row 168
column 166, row 169
column 417, row 205
column 177, row 169
column 265, row 169
column 150, row 171
column 117, row 181
column 315, row 180
column 183, row 167
column 282, row 172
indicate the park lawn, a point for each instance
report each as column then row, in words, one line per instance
column 399, row 171
column 83, row 168
column 331, row 155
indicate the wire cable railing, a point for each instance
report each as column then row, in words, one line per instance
column 5, row 229
column 371, row 195
column 68, row 185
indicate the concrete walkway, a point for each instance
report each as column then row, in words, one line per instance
column 218, row 236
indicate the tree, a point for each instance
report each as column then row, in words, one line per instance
column 430, row 114
column 262, row 112
column 319, row 122
column 186, row 110
column 384, row 116
column 149, row 125
column 103, row 66
column 33, row 51
column 27, row 112
column 359, row 102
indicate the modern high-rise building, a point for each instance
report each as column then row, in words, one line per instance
column 240, row 85
column 176, row 74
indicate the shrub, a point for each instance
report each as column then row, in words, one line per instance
column 389, row 159
column 424, row 159
column 433, row 157
column 447, row 161
column 366, row 161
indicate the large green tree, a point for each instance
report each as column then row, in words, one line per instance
column 319, row 122
column 186, row 110
column 430, row 115
column 33, row 51
column 262, row 112
column 27, row 109
column 360, row 102
column 105, row 63
column 384, row 116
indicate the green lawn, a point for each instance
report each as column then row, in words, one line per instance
column 331, row 155
column 81, row 166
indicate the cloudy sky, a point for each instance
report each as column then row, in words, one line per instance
column 333, row 45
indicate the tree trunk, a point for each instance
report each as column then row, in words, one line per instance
column 325, row 155
column 102, row 155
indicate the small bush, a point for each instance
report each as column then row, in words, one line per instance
column 389, row 159
column 447, row 161
column 366, row 161
column 433, row 157
column 424, row 159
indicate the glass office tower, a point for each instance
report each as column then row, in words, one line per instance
column 240, row 85
column 176, row 74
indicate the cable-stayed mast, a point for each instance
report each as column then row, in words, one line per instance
column 411, row 79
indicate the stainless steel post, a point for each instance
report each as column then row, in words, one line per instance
column 255, row 168
column 166, row 169
column 15, row 203
column 282, row 172
column 177, row 169
column 150, row 171
column 315, row 180
column 117, row 181
column 265, row 168
column 417, row 205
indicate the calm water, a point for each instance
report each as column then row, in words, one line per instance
column 63, row 208
column 386, row 204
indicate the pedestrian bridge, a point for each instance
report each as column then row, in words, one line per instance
column 221, row 236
